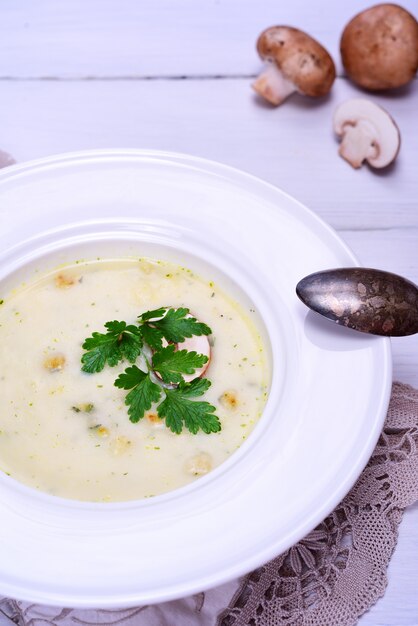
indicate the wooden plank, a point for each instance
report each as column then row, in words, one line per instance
column 111, row 38
column 292, row 147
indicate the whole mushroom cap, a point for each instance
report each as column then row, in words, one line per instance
column 299, row 57
column 379, row 47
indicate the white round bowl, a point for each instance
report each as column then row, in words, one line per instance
column 329, row 389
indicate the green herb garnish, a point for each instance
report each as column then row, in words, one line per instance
column 143, row 391
column 179, row 409
column 162, row 368
column 121, row 341
column 170, row 363
column 174, row 325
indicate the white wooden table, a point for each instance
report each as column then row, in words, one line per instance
column 175, row 75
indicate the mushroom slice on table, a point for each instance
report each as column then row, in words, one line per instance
column 368, row 133
column 379, row 47
column 295, row 63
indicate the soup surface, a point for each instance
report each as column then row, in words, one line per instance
column 67, row 432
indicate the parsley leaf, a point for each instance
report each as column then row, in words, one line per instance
column 171, row 363
column 164, row 366
column 120, row 341
column 143, row 391
column 195, row 388
column 152, row 315
column 174, row 324
column 152, row 336
column 178, row 409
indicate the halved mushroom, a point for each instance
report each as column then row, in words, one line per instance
column 295, row 63
column 379, row 47
column 368, row 133
column 199, row 344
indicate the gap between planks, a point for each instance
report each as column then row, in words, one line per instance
column 376, row 229
column 137, row 77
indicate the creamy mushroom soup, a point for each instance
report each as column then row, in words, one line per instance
column 67, row 432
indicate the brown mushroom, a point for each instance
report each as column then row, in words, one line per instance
column 379, row 47
column 368, row 133
column 295, row 62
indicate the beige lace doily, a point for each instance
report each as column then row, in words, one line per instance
column 339, row 570
column 329, row 578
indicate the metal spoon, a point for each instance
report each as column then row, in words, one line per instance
column 367, row 300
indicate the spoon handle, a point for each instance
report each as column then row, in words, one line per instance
column 368, row 300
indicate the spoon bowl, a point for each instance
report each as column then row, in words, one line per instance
column 366, row 300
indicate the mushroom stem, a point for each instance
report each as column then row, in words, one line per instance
column 358, row 143
column 273, row 86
